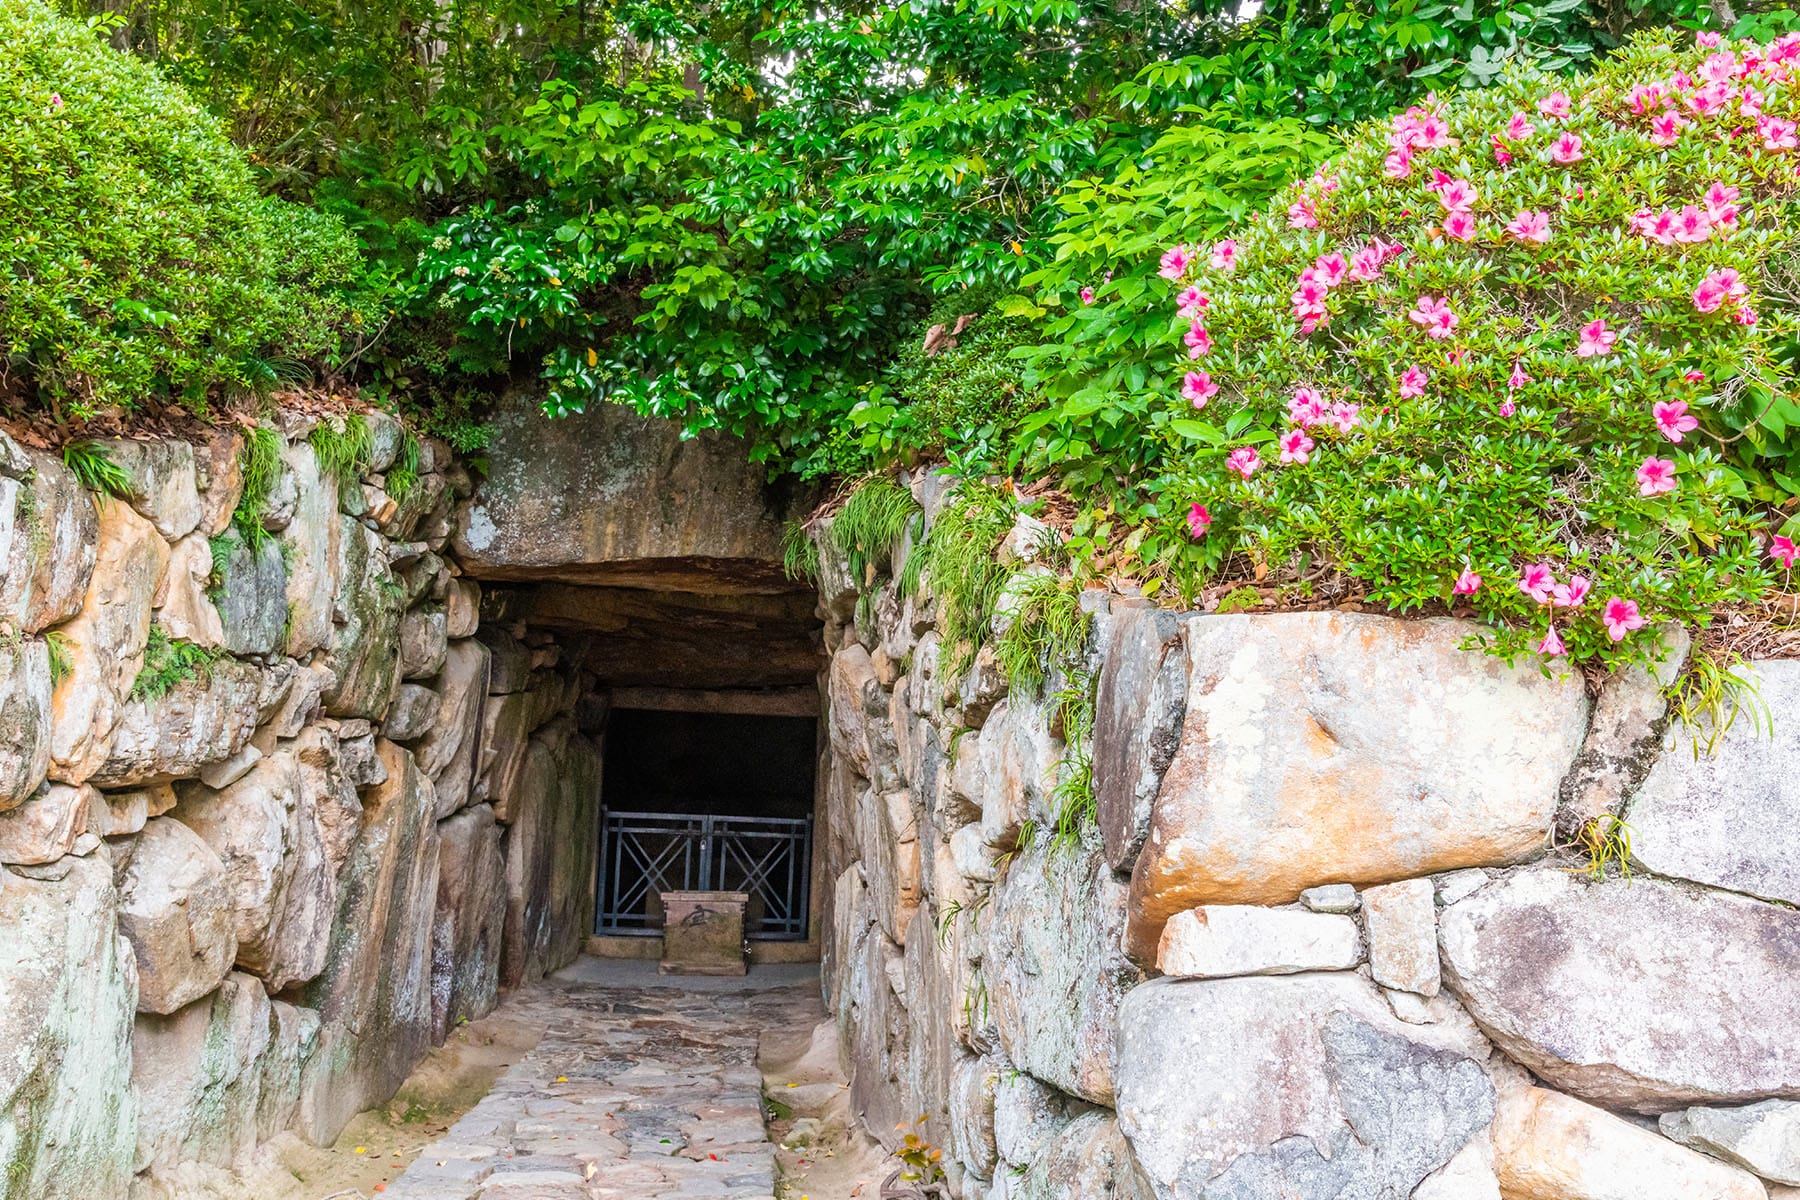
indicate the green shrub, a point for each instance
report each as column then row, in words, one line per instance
column 140, row 259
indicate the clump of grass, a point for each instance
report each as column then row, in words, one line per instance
column 403, row 476
column 1048, row 629
column 1606, row 840
column 259, row 462
column 170, row 662
column 61, row 665
column 799, row 553
column 1076, row 808
column 344, row 445
column 94, row 468
column 870, row 525
column 958, row 556
column 1709, row 697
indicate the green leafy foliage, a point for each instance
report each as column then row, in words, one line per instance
column 259, row 462
column 93, row 466
column 142, row 261
column 170, row 662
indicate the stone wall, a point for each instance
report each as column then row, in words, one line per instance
column 1323, row 940
column 247, row 905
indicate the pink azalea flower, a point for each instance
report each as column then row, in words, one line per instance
column 1365, row 264
column 1775, row 133
column 1467, row 584
column 1459, row 225
column 1412, row 382
column 1745, row 315
column 1665, row 130
column 1692, row 224
column 1295, row 446
column 1706, row 39
column 1621, row 617
column 1191, row 301
column 1434, row 133
column 1719, row 67
column 1346, row 416
column 1517, row 379
column 1244, row 460
column 1225, row 255
column 1567, row 149
column 1694, row 376
column 1459, row 195
column 1435, row 316
column 1538, row 581
column 1398, row 164
column 1198, row 521
column 1199, row 342
column 1530, row 226
column 1197, row 388
column 1331, row 269
column 1507, row 407
column 1717, row 288
column 1596, row 340
column 1710, row 99
column 56, row 102
column 1552, row 645
column 1658, row 227
column 1750, row 104
column 1572, row 593
column 1721, row 204
column 1674, row 420
column 1307, row 407
column 1301, row 215
column 1520, row 126
column 1175, row 262
column 1087, row 295
column 1502, row 155
column 1656, row 476
column 1645, row 97
column 1556, row 104
column 1783, row 551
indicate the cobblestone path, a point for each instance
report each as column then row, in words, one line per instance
column 633, row 1094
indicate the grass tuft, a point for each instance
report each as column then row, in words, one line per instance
column 870, row 525
column 260, row 464
column 799, row 553
column 93, row 466
column 957, row 556
column 344, row 445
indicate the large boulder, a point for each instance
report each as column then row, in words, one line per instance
column 1344, row 747
column 265, row 828
column 1548, row 1146
column 861, row 731
column 1054, row 968
column 550, row 855
column 203, row 719
column 25, row 716
column 48, row 825
column 1651, row 995
column 365, row 638
column 1730, row 818
column 1088, row 1160
column 68, row 1121
column 175, row 910
column 309, row 541
column 52, row 539
column 451, row 745
column 160, row 482
column 1139, row 709
column 469, row 922
column 374, row 997
column 104, row 642
column 609, row 496
column 1293, row 1087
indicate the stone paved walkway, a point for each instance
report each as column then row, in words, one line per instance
column 634, row 1093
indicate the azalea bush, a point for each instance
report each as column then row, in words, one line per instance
column 1528, row 353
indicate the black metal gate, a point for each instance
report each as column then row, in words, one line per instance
column 645, row 854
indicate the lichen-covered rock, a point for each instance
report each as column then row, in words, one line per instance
column 1764, row 1138
column 893, row 859
column 1343, row 747
column 1138, row 713
column 252, row 598
column 1054, row 968
column 365, row 640
column 929, row 988
column 374, row 997
column 971, row 1108
column 47, row 826
column 52, row 545
column 68, row 1121
column 309, row 539
column 326, row 780
column 448, row 749
column 1242, row 1088
column 506, row 728
column 175, row 910
column 265, row 829
column 469, row 922
column 462, row 608
column 1029, row 1115
column 549, row 855
column 1401, row 920
column 411, row 715
column 203, row 719
column 423, row 642
column 1624, row 738
column 860, row 728
column 160, row 482
column 1730, row 818
column 1089, row 1160
column 872, row 1021
column 219, row 476
column 1221, row 940
column 1649, row 996
column 104, row 642
column 25, row 716
column 1548, row 1146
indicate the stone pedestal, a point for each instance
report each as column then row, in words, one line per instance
column 703, row 933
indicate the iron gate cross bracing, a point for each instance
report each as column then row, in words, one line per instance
column 645, row 854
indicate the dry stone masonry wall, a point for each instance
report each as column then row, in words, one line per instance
column 242, row 905
column 1321, row 941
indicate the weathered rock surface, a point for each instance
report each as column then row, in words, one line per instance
column 1344, row 747
column 1138, row 715
column 423, row 642
column 470, row 918
column 68, row 1120
column 860, row 728
column 252, row 598
column 1693, row 817
column 203, row 719
column 890, row 846
column 1651, row 996
column 971, row 1109
column 183, row 607
column 364, row 640
column 452, row 743
column 612, row 497
column 374, row 997
column 53, row 539
column 25, row 716
column 549, row 855
column 1468, row 1176
column 1623, row 740
column 1401, row 919
column 1055, row 973
column 1089, row 1160
column 161, row 482
column 309, row 539
column 104, row 643
column 1275, row 1087
column 1548, row 1146
column 175, row 910
column 411, row 715
column 47, row 826
column 1764, row 1138
column 1222, row 940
